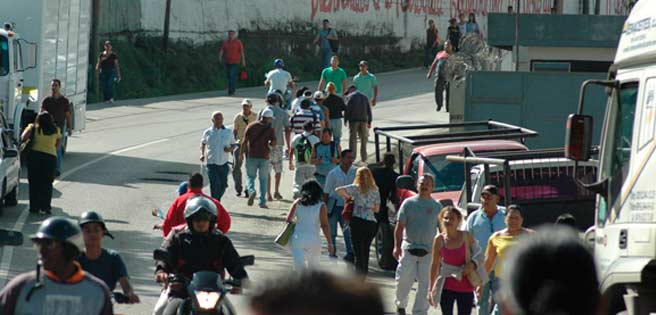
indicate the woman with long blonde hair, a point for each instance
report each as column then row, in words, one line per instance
column 366, row 201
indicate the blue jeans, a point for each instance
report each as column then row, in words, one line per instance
column 253, row 167
column 326, row 54
column 60, row 150
column 107, row 83
column 488, row 293
column 231, row 73
column 333, row 218
column 336, row 126
column 218, row 175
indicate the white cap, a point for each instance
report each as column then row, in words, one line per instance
column 319, row 95
column 267, row 113
column 247, row 102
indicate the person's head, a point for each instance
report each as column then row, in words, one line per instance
column 472, row 17
column 318, row 97
column 93, row 228
column 351, row 88
column 55, row 86
column 305, row 104
column 514, row 217
column 278, row 63
column 364, row 179
column 363, row 65
column 311, row 193
column 200, row 213
column 300, row 91
column 489, row 197
column 461, row 16
column 334, row 61
column 326, row 135
column 308, row 127
column 318, row 293
column 273, row 99
column 107, row 45
column 217, row 119
column 183, row 188
column 246, row 106
column 566, row 219
column 195, row 180
column 510, row 9
column 452, row 21
column 231, row 34
column 58, row 242
column 45, row 123
column 450, row 218
column 534, row 287
column 389, row 160
column 347, row 158
column 425, row 185
column 326, row 24
column 331, row 88
column 267, row 116
column 431, row 24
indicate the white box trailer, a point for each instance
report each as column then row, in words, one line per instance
column 46, row 39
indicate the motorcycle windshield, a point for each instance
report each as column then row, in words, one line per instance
column 206, row 281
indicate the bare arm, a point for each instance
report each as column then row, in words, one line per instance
column 27, row 133
column 432, row 68
column 316, row 39
column 98, row 64
column 118, row 69
column 243, row 58
column 288, row 135
column 321, row 82
column 373, row 102
column 69, row 122
column 342, row 192
column 128, row 290
column 325, row 228
column 202, row 152
column 436, row 261
column 344, row 87
column 292, row 212
column 398, row 237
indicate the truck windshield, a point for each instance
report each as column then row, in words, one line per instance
column 4, row 56
column 449, row 176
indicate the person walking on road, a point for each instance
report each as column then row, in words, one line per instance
column 385, row 178
column 358, row 117
column 310, row 214
column 232, row 54
column 453, row 34
column 432, row 41
column 499, row 244
column 338, row 177
column 325, row 156
column 303, row 93
column 333, row 74
column 366, row 82
column 241, row 121
column 110, row 72
column 336, row 107
column 319, row 109
column 366, row 203
column 303, row 116
column 482, row 223
column 216, row 146
column 59, row 107
column 450, row 265
column 323, row 38
column 471, row 26
column 63, row 287
column 413, row 238
column 440, row 79
column 301, row 151
column 282, row 129
column 258, row 139
column 42, row 160
column 106, row 264
column 280, row 80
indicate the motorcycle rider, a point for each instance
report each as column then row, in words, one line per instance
column 198, row 247
column 280, row 80
column 64, row 288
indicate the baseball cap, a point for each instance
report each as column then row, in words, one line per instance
column 363, row 62
column 490, row 189
column 318, row 95
column 268, row 113
column 247, row 102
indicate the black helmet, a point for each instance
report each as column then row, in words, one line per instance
column 94, row 217
column 200, row 206
column 60, row 229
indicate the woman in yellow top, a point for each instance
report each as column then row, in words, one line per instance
column 500, row 242
column 42, row 160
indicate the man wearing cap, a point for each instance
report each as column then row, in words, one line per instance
column 366, row 82
column 239, row 124
column 219, row 142
column 482, row 223
column 278, row 79
column 333, row 74
column 258, row 138
column 106, row 264
column 319, row 109
column 231, row 53
column 282, row 128
column 59, row 285
column 357, row 117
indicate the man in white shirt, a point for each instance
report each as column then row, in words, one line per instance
column 220, row 142
column 280, row 80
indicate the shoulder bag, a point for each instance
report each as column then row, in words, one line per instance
column 473, row 277
column 26, row 146
column 347, row 212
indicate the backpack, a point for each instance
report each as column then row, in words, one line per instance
column 303, row 150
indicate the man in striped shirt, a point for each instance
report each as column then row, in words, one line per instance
column 303, row 116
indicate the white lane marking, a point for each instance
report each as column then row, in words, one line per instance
column 8, row 251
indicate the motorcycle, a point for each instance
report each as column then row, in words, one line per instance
column 205, row 293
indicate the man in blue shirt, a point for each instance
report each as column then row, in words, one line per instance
column 482, row 223
column 342, row 175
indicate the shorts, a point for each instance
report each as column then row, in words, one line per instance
column 276, row 158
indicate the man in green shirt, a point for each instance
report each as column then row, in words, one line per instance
column 366, row 82
column 333, row 74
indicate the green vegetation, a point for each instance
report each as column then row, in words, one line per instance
column 148, row 71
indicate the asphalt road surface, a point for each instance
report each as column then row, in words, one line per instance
column 134, row 153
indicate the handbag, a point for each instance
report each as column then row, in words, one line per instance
column 347, row 212
column 473, row 277
column 243, row 75
column 26, row 146
column 285, row 235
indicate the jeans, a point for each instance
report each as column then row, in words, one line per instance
column 358, row 129
column 218, row 175
column 465, row 301
column 253, row 167
column 60, row 150
column 440, row 85
column 40, row 175
column 336, row 126
column 362, row 233
column 326, row 54
column 236, row 170
column 488, row 294
column 409, row 269
column 231, row 73
column 107, row 83
column 334, row 217
column 429, row 55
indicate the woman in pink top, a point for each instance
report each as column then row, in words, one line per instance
column 448, row 281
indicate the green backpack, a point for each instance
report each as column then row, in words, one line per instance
column 303, row 150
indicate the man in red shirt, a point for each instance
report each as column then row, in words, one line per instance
column 175, row 216
column 231, row 53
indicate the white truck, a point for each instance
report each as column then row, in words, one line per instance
column 42, row 40
column 624, row 231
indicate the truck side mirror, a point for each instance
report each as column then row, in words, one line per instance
column 578, row 137
column 405, row 182
column 30, row 53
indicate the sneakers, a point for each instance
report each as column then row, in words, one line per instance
column 277, row 195
column 246, row 193
column 400, row 311
column 251, row 199
column 264, row 206
column 238, row 194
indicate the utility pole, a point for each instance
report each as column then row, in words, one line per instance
column 519, row 10
column 167, row 18
column 95, row 42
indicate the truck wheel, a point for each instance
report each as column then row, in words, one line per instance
column 385, row 246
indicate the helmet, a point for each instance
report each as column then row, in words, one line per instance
column 94, row 217
column 60, row 229
column 278, row 63
column 200, row 205
column 272, row 98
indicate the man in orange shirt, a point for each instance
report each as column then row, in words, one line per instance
column 231, row 53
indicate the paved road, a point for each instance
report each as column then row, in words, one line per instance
column 132, row 156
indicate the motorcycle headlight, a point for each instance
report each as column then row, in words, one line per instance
column 207, row 300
